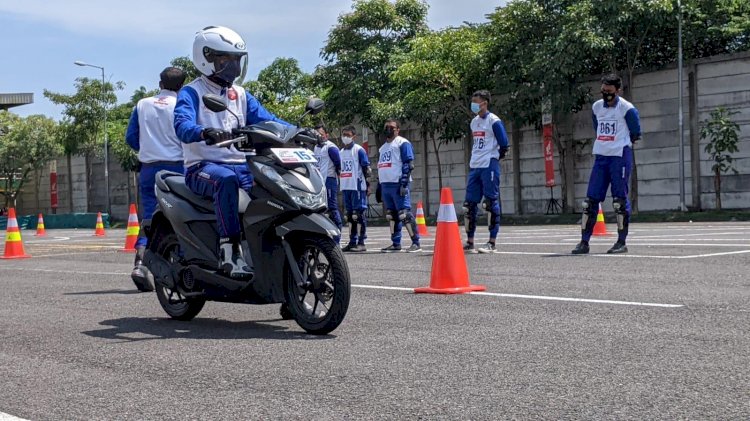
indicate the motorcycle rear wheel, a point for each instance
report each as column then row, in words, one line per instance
column 319, row 306
column 175, row 304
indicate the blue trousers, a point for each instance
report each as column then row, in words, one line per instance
column 611, row 172
column 221, row 182
column 394, row 203
column 147, row 179
column 355, row 202
column 332, row 188
column 484, row 182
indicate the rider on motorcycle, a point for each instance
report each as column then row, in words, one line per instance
column 213, row 172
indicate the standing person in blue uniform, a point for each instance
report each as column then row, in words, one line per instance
column 329, row 164
column 617, row 127
column 355, row 173
column 395, row 165
column 214, row 172
column 490, row 144
column 151, row 133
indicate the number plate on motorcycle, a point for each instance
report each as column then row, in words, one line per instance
column 293, row 155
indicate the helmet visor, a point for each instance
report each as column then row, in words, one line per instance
column 230, row 67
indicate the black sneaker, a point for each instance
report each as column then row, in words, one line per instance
column 581, row 248
column 618, row 248
column 415, row 248
column 488, row 248
column 348, row 247
column 469, row 248
column 359, row 248
column 391, row 249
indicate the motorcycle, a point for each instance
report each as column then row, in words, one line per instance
column 284, row 232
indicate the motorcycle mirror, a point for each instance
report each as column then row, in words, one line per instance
column 214, row 103
column 315, row 105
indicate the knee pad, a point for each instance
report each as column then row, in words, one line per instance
column 493, row 216
column 354, row 216
column 406, row 217
column 590, row 209
column 620, row 205
column 470, row 218
column 392, row 217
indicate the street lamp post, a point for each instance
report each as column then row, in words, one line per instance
column 106, row 143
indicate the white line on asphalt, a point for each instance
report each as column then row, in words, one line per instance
column 8, row 417
column 64, row 271
column 715, row 254
column 537, row 297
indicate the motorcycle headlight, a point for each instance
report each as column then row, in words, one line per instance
column 311, row 201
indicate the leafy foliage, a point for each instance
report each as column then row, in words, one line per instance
column 723, row 136
column 26, row 144
column 361, row 53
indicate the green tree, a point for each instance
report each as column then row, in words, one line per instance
column 436, row 79
column 536, row 51
column 83, row 112
column 360, row 55
column 283, row 88
column 186, row 64
column 26, row 144
column 723, row 136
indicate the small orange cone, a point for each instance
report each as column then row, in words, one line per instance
column 421, row 226
column 99, row 226
column 449, row 272
column 13, row 243
column 600, row 228
column 133, row 229
column 40, row 232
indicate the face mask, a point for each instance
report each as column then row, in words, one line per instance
column 475, row 108
column 346, row 140
column 607, row 96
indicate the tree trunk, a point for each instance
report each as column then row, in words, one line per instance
column 37, row 187
column 70, row 182
column 717, row 187
column 436, row 147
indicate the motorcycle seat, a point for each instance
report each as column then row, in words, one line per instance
column 175, row 182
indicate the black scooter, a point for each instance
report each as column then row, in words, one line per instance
column 285, row 234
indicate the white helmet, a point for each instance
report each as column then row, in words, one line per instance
column 217, row 41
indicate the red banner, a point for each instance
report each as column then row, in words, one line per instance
column 53, row 189
column 549, row 154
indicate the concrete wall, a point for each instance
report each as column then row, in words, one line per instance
column 708, row 83
column 716, row 81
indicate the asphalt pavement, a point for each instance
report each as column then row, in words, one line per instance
column 659, row 333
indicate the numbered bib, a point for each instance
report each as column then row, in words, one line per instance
column 606, row 130
column 479, row 140
column 293, row 155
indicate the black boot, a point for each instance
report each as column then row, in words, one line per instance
column 140, row 274
column 581, row 248
column 618, row 248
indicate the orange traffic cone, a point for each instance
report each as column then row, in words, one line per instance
column 449, row 272
column 133, row 229
column 40, row 232
column 13, row 243
column 99, row 232
column 421, row 226
column 600, row 228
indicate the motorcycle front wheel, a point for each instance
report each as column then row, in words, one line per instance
column 320, row 303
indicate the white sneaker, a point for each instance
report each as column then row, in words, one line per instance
column 488, row 248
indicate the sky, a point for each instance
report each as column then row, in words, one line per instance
column 135, row 40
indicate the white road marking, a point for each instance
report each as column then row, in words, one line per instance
column 537, row 297
column 8, row 417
